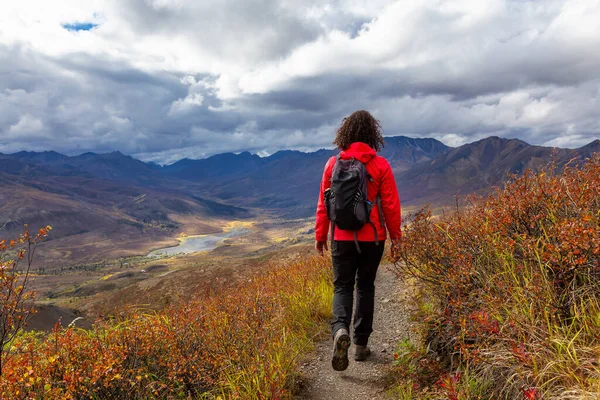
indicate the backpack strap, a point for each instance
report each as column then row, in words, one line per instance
column 375, row 235
column 378, row 202
column 381, row 220
column 356, row 243
column 337, row 158
column 380, row 210
column 332, row 230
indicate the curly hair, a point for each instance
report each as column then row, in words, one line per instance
column 360, row 126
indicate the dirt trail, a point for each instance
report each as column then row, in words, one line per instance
column 362, row 380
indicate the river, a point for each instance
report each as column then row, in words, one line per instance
column 194, row 244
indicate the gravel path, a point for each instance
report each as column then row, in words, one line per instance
column 362, row 380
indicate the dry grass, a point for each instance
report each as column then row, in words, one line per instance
column 510, row 290
column 241, row 343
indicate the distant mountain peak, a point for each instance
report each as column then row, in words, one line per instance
column 498, row 139
column 24, row 153
column 87, row 154
column 116, row 154
column 591, row 147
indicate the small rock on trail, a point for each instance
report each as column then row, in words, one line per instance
column 362, row 380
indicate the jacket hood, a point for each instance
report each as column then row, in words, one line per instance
column 360, row 151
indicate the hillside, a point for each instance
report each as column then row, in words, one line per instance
column 403, row 152
column 425, row 170
column 239, row 342
column 292, row 178
column 101, row 206
column 506, row 291
column 122, row 203
column 111, row 166
column 287, row 180
column 476, row 167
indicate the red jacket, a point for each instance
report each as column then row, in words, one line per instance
column 383, row 184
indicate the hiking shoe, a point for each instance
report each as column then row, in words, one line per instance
column 341, row 343
column 361, row 353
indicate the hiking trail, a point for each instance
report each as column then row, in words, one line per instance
column 362, row 380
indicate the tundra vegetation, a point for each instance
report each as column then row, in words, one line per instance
column 16, row 300
column 241, row 343
column 509, row 289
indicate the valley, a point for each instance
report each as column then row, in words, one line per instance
column 163, row 276
column 133, row 234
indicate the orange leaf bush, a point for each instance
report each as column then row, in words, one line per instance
column 510, row 285
column 16, row 300
column 242, row 344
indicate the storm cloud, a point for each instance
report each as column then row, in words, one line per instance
column 163, row 80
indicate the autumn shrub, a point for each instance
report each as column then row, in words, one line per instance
column 239, row 344
column 510, row 290
column 16, row 297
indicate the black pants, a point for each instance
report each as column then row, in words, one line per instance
column 350, row 268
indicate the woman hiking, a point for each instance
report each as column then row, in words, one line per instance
column 357, row 223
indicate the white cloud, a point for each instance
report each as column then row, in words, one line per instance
column 155, row 77
column 27, row 126
column 186, row 104
column 568, row 140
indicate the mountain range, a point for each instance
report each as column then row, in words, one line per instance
column 117, row 198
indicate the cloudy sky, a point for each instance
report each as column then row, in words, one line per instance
column 167, row 79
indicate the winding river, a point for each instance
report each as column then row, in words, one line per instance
column 194, row 244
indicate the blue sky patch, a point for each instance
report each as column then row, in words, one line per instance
column 79, row 26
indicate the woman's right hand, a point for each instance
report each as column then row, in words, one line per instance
column 321, row 246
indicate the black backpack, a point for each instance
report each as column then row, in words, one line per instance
column 346, row 200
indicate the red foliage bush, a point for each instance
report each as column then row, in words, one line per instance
column 240, row 344
column 514, row 281
column 16, row 299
